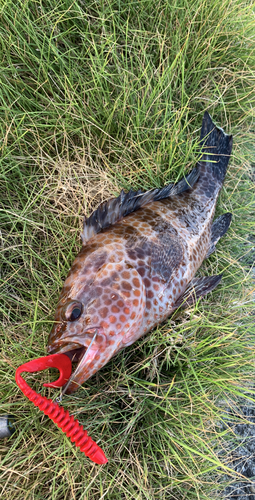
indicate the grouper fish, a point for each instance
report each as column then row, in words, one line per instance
column 140, row 252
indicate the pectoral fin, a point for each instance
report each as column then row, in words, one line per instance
column 196, row 289
column 219, row 228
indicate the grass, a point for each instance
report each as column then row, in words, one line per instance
column 95, row 97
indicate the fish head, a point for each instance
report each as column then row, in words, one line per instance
column 93, row 321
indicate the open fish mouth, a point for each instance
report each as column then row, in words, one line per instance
column 72, row 350
column 85, row 358
column 83, row 355
column 74, row 347
column 75, row 355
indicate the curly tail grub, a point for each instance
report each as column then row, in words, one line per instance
column 61, row 417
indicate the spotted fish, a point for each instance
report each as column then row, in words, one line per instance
column 138, row 260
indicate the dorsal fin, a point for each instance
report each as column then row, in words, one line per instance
column 113, row 210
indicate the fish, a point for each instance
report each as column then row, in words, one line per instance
column 140, row 253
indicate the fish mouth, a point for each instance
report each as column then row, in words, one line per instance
column 83, row 355
column 74, row 354
column 74, row 347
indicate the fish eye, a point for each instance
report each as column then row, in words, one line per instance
column 72, row 311
column 75, row 314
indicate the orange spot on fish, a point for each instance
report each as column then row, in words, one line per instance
column 126, row 285
column 133, row 315
column 112, row 319
column 115, row 309
column 135, row 302
column 122, row 318
column 104, row 324
column 137, row 293
column 127, row 294
column 136, row 282
column 127, row 325
column 126, row 310
column 103, row 312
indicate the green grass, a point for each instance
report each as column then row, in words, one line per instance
column 95, row 97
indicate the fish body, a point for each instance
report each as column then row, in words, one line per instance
column 137, row 264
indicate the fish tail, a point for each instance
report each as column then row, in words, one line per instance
column 216, row 149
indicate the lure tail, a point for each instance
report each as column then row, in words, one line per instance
column 61, row 417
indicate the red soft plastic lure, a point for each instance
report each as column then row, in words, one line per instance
column 61, row 417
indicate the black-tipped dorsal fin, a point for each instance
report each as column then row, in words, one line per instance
column 113, row 210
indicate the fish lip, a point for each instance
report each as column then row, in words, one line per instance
column 69, row 345
column 64, row 348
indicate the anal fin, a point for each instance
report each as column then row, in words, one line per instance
column 219, row 228
column 196, row 289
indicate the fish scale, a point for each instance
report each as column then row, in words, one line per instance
column 138, row 262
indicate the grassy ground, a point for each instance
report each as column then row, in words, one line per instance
column 95, row 97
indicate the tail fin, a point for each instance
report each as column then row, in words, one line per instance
column 216, row 148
